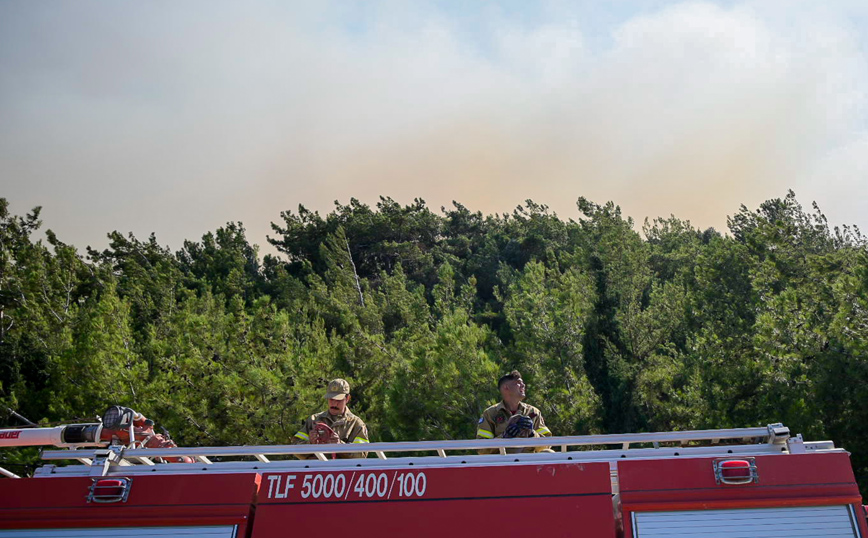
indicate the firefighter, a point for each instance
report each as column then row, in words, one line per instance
column 335, row 425
column 512, row 417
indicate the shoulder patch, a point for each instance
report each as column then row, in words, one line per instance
column 481, row 420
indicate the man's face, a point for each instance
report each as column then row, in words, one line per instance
column 337, row 407
column 513, row 389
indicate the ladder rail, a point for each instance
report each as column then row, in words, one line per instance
column 440, row 448
column 424, row 462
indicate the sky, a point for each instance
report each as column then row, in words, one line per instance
column 175, row 118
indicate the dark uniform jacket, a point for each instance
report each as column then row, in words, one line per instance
column 493, row 423
column 349, row 427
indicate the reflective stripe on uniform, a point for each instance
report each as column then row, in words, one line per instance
column 484, row 433
column 360, row 440
column 303, row 436
column 544, row 431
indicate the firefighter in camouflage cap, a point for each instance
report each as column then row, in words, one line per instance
column 335, row 425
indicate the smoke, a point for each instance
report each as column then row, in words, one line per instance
column 127, row 118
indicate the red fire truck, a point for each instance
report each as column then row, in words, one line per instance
column 124, row 480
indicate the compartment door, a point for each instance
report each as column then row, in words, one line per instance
column 800, row 522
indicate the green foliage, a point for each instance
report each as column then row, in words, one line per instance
column 435, row 394
column 548, row 312
column 225, row 261
column 614, row 330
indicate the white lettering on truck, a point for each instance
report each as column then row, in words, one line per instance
column 363, row 486
column 274, row 486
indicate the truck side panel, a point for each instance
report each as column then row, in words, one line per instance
column 782, row 481
column 551, row 500
column 153, row 501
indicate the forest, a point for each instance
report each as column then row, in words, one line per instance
column 615, row 327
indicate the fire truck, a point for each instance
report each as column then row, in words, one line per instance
column 118, row 478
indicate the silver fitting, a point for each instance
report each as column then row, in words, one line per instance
column 778, row 434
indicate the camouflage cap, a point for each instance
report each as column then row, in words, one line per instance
column 338, row 389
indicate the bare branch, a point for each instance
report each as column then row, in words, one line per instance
column 355, row 273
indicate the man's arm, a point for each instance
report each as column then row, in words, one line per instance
column 358, row 436
column 540, row 430
column 302, row 437
column 485, row 430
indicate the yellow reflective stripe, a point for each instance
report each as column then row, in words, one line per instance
column 303, row 436
column 543, row 431
column 484, row 433
column 360, row 440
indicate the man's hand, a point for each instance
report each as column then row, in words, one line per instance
column 519, row 426
column 322, row 434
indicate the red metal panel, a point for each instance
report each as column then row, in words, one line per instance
column 552, row 500
column 861, row 518
column 783, row 480
column 436, row 483
column 689, row 484
column 57, row 502
column 551, row 517
column 145, row 490
column 774, row 470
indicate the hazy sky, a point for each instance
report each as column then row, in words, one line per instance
column 176, row 117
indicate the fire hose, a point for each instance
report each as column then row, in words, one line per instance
column 119, row 426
